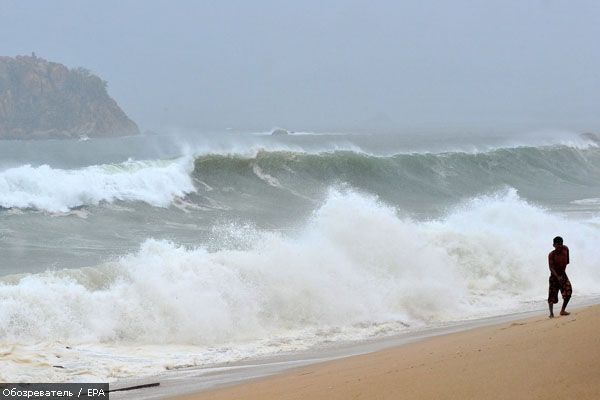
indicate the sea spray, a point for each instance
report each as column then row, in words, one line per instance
column 58, row 190
column 419, row 182
column 355, row 263
column 357, row 269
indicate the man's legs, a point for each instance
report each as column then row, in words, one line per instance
column 562, row 310
column 553, row 288
column 566, row 290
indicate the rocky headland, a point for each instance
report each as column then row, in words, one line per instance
column 40, row 99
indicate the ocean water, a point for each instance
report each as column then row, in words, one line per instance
column 134, row 256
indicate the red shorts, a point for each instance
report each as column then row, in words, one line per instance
column 555, row 285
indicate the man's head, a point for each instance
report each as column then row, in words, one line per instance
column 558, row 241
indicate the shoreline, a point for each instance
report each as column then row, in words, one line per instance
column 202, row 380
column 545, row 358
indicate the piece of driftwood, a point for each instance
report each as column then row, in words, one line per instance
column 143, row 386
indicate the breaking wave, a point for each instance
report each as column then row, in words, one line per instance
column 230, row 179
column 355, row 262
column 407, row 180
column 58, row 190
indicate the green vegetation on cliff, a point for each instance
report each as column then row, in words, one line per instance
column 41, row 99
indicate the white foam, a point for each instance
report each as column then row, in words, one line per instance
column 594, row 201
column 356, row 270
column 254, row 142
column 58, row 190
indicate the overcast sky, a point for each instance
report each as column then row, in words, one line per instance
column 326, row 65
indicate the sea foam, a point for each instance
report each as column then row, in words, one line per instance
column 355, row 262
column 58, row 190
column 357, row 269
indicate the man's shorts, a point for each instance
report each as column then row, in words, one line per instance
column 565, row 289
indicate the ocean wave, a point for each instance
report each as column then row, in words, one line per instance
column 261, row 177
column 357, row 269
column 384, row 145
column 404, row 179
column 59, row 190
column 356, row 261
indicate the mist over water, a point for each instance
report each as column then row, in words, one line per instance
column 419, row 187
column 246, row 245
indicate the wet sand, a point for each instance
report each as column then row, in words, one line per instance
column 534, row 358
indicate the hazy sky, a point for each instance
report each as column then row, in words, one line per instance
column 199, row 65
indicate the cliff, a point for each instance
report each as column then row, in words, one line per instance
column 41, row 99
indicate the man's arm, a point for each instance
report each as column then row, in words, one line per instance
column 567, row 254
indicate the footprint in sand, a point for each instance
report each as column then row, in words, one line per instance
column 514, row 324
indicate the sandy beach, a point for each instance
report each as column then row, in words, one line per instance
column 535, row 358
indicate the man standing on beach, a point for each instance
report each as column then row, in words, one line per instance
column 557, row 261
